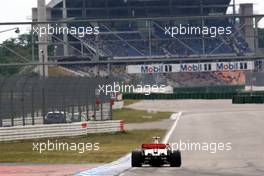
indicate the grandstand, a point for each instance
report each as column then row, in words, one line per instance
column 143, row 38
column 136, row 29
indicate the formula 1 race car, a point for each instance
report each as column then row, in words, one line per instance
column 156, row 154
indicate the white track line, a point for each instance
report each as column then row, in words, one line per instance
column 123, row 164
column 168, row 135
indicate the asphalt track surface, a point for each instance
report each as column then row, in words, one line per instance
column 210, row 121
column 213, row 121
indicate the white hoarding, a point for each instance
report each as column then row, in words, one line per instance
column 154, row 68
column 191, row 67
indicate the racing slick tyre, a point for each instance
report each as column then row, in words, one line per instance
column 175, row 159
column 136, row 160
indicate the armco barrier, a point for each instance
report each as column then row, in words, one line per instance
column 246, row 99
column 210, row 89
column 59, row 130
column 180, row 96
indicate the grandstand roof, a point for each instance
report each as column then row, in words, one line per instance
column 53, row 3
column 143, row 8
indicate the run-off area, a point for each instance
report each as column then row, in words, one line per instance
column 240, row 125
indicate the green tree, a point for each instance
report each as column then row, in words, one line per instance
column 22, row 46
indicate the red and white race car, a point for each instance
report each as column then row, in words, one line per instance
column 156, row 154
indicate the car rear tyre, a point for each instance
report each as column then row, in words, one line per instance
column 136, row 160
column 175, row 160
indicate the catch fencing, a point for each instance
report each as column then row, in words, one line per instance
column 24, row 100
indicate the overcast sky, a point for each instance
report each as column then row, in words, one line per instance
column 20, row 10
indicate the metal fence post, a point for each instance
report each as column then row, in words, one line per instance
column 43, row 103
column 111, row 111
column 79, row 106
column 12, row 108
column 72, row 109
column 64, row 106
column 68, row 108
column 94, row 109
column 32, row 106
column 1, row 121
column 23, row 109
column 87, row 110
column 1, row 91
column 102, row 118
